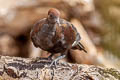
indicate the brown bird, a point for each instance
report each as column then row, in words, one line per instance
column 55, row 35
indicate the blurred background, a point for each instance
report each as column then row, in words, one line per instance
column 98, row 22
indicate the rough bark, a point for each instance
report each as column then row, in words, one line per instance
column 15, row 68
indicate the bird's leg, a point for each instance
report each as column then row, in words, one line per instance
column 54, row 62
column 50, row 57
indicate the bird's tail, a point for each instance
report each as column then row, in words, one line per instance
column 80, row 47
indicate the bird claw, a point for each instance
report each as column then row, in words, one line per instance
column 54, row 62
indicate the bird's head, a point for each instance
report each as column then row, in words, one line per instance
column 53, row 15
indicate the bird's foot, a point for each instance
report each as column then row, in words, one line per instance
column 54, row 62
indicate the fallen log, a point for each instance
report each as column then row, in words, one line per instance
column 16, row 68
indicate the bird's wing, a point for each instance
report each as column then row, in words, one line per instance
column 69, row 32
column 36, row 28
column 73, row 36
column 77, row 36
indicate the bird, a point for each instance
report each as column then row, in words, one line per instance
column 55, row 35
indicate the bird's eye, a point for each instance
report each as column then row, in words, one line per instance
column 50, row 15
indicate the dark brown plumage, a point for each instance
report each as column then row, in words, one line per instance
column 55, row 35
